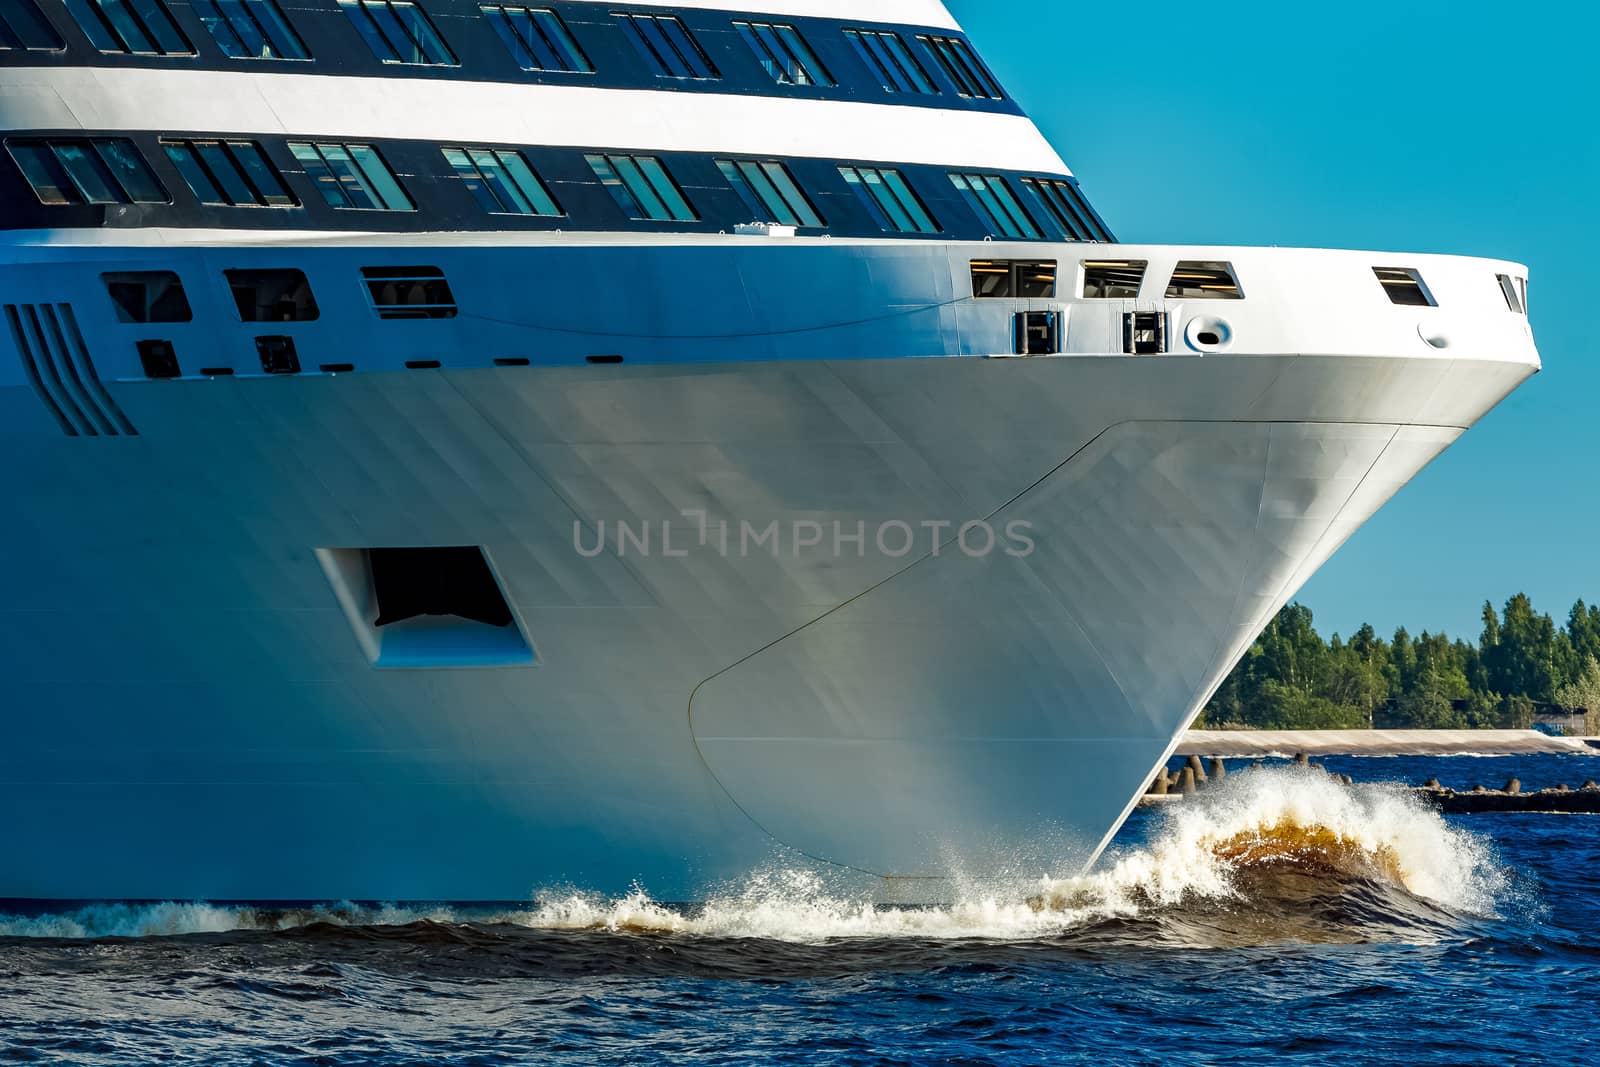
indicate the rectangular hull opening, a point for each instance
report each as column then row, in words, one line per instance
column 426, row 607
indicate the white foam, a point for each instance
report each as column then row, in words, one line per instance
column 1197, row 852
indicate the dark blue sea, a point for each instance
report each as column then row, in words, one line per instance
column 1279, row 918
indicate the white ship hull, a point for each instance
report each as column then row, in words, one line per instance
column 196, row 708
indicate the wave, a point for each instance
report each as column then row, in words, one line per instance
column 1266, row 854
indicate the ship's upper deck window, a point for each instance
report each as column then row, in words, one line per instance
column 1063, row 206
column 250, row 29
column 352, row 176
column 768, row 190
column 141, row 26
column 1118, row 279
column 669, row 48
column 1516, row 292
column 399, row 31
column 24, row 27
column 889, row 200
column 784, row 53
column 409, row 292
column 886, row 55
column 273, row 295
column 1405, row 286
column 502, row 182
column 229, row 173
column 148, row 296
column 1204, row 280
column 1014, row 279
column 538, row 39
column 642, row 187
column 965, row 70
column 991, row 198
column 100, row 170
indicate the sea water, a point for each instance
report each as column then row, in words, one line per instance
column 1278, row 918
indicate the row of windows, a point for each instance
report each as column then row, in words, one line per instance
column 237, row 173
column 401, row 32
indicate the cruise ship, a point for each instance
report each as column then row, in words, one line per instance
column 458, row 448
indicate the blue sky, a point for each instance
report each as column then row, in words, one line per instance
column 1461, row 126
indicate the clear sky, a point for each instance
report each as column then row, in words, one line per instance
column 1467, row 126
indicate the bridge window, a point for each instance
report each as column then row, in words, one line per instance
column 1014, row 279
column 1107, row 279
column 784, row 53
column 148, row 296
column 669, row 48
column 23, row 27
column 502, row 182
column 769, row 191
column 101, row 170
column 409, row 292
column 1204, row 280
column 1062, row 205
column 538, row 39
column 399, row 31
column 886, row 55
column 889, row 200
column 995, row 205
column 1516, row 292
column 642, row 187
column 1405, row 286
column 230, row 173
column 965, row 70
column 352, row 176
column 250, row 29
column 141, row 26
column 273, row 295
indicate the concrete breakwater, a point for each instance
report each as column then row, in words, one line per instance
column 1197, row 775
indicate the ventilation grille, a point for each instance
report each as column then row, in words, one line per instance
column 58, row 366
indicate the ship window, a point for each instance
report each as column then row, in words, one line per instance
column 886, row 55
column 1063, row 205
column 538, row 39
column 23, row 26
column 272, row 295
column 501, row 181
column 278, row 355
column 769, row 191
column 642, row 187
column 784, row 53
column 1405, row 286
column 399, row 31
column 102, row 170
column 995, row 205
column 1513, row 292
column 1204, row 280
column 1113, row 279
column 1014, row 279
column 250, row 29
column 148, row 296
column 409, row 292
column 143, row 26
column 352, row 176
column 229, row 173
column 158, row 359
column 967, row 72
column 666, row 44
column 889, row 200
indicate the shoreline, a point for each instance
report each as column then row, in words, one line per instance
column 1262, row 744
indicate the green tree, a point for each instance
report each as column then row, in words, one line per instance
column 1584, row 692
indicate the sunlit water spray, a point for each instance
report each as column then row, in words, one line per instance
column 1269, row 854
